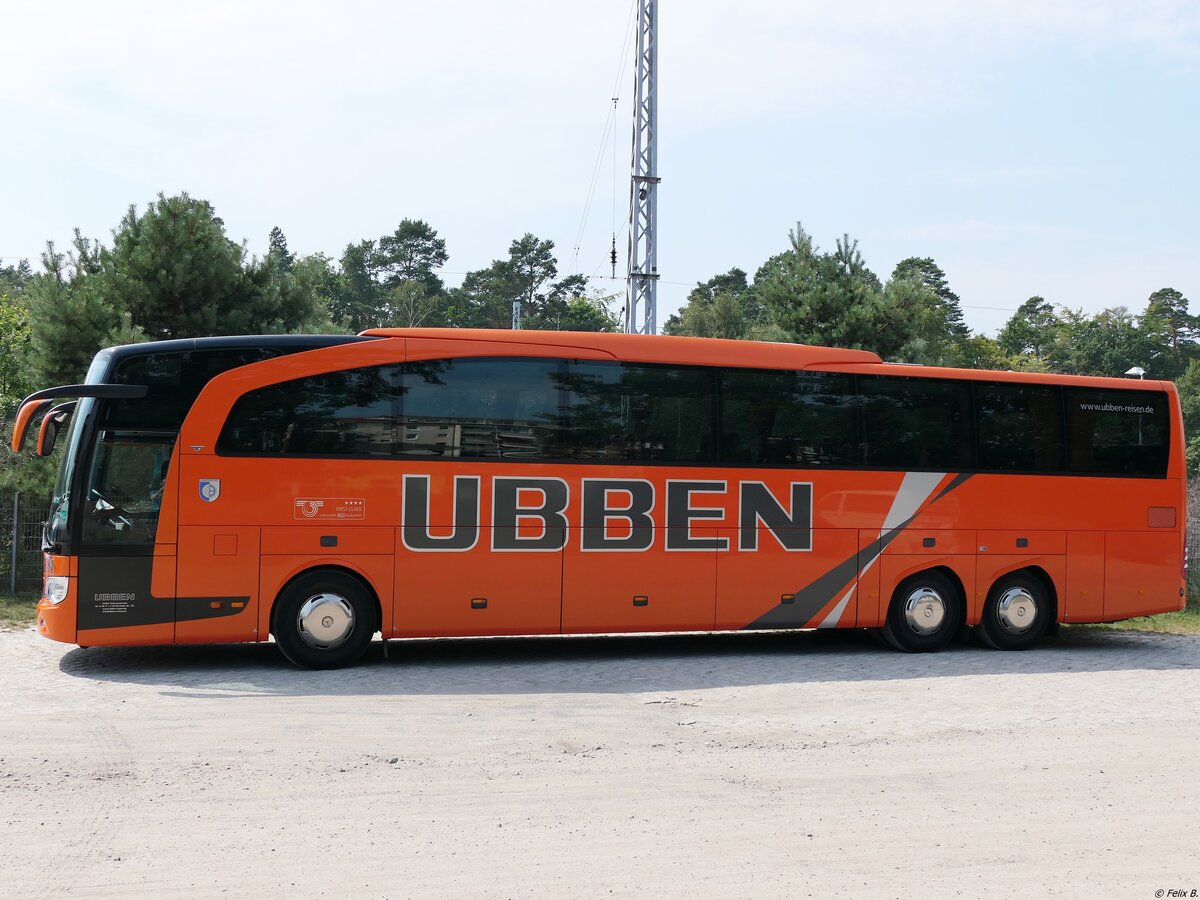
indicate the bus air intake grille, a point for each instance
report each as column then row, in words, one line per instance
column 1161, row 517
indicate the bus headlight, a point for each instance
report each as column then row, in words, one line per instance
column 56, row 589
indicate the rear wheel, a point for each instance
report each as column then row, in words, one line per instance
column 323, row 620
column 924, row 615
column 1016, row 614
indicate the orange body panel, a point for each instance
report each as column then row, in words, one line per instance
column 750, row 584
column 57, row 621
column 1140, row 568
column 872, row 604
column 1082, row 600
column 301, row 540
column 477, row 592
column 635, row 591
column 864, row 530
column 218, row 565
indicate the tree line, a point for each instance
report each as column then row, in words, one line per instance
column 171, row 271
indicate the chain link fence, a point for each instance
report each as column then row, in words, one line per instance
column 21, row 518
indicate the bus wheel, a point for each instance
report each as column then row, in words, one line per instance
column 1016, row 613
column 323, row 620
column 924, row 614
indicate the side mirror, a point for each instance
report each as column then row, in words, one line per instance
column 51, row 425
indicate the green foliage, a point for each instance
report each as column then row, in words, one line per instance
column 16, row 346
column 14, row 279
column 1031, row 330
column 981, row 352
column 356, row 303
column 583, row 312
column 174, row 270
column 413, row 252
column 1188, row 386
column 1040, row 337
column 834, row 299
column 69, row 314
column 1108, row 343
column 529, row 277
column 1172, row 331
column 317, row 276
column 725, row 306
column 928, row 273
column 171, row 272
column 391, row 282
column 277, row 247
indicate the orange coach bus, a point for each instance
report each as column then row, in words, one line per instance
column 426, row 482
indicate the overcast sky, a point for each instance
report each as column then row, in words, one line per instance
column 1028, row 146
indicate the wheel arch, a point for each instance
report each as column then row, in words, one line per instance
column 1042, row 576
column 943, row 569
column 341, row 569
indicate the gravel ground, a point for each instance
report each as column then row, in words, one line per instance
column 764, row 765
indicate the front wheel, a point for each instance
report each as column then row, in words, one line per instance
column 924, row 615
column 1016, row 614
column 323, row 620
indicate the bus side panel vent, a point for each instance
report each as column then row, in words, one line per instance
column 1161, row 517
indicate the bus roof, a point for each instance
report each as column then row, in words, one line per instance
column 750, row 354
column 232, row 342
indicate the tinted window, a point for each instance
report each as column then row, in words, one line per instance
column 1117, row 432
column 641, row 412
column 351, row 413
column 917, row 423
column 477, row 408
column 125, row 485
column 489, row 408
column 174, row 381
column 788, row 418
column 1020, row 427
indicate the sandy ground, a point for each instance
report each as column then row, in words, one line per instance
column 732, row 766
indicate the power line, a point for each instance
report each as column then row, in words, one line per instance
column 610, row 124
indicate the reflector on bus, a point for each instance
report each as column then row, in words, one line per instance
column 39, row 400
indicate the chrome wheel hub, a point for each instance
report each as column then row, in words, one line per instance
column 924, row 610
column 325, row 620
column 1016, row 609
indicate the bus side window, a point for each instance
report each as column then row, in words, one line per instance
column 641, row 412
column 1020, row 427
column 788, row 418
column 1115, row 432
column 483, row 407
column 918, row 423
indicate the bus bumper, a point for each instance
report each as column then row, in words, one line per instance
column 57, row 620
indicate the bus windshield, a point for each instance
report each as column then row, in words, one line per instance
column 57, row 530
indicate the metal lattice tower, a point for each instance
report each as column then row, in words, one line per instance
column 640, row 303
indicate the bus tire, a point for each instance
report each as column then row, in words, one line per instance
column 924, row 615
column 1016, row 613
column 323, row 620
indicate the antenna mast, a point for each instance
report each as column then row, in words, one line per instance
column 640, row 305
